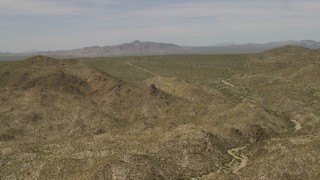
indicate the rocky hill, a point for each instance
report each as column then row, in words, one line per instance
column 62, row 115
column 68, row 120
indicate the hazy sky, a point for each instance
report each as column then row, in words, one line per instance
column 68, row 24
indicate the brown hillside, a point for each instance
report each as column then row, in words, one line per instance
column 231, row 118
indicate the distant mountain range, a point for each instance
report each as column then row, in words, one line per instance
column 153, row 48
column 256, row 48
column 4, row 53
column 127, row 49
column 230, row 48
column 138, row 48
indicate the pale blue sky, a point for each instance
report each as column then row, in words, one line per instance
column 69, row 24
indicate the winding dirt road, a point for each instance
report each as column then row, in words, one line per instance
column 239, row 159
column 238, row 162
column 227, row 83
column 145, row 70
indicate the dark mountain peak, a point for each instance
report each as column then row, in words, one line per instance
column 309, row 41
column 136, row 42
column 289, row 48
column 39, row 59
column 91, row 47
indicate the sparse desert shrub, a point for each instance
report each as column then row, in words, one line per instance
column 153, row 90
column 6, row 137
column 10, row 134
column 100, row 131
column 258, row 133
